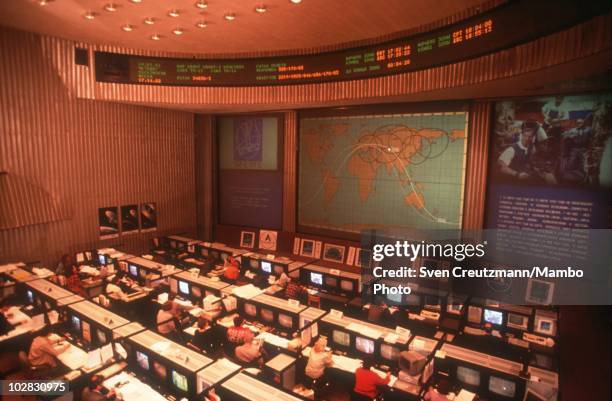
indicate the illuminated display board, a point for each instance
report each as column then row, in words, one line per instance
column 502, row 27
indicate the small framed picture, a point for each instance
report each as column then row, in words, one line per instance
column 334, row 253
column 247, row 239
column 308, row 248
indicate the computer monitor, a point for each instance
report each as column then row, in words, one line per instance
column 76, row 323
column 160, row 370
column 316, row 278
column 180, row 381
column 30, row 296
column 173, row 244
column 224, row 255
column 214, row 255
column 86, row 331
column 285, row 321
column 331, row 281
column 133, row 271
column 341, row 338
column 412, row 362
column 266, row 266
column 279, row 269
column 517, row 321
column 183, row 287
column 397, row 298
column 413, row 300
column 204, row 252
column 250, row 309
column 101, row 335
column 306, row 336
column 364, row 345
column 544, row 326
column 196, row 291
column 432, row 302
column 267, row 315
column 347, row 285
column 389, row 352
column 254, row 263
column 468, row 376
column 493, row 317
column 142, row 360
column 474, row 314
column 102, row 259
column 454, row 307
column 503, row 387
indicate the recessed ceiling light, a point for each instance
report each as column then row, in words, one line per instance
column 201, row 4
column 110, row 7
column 89, row 15
column 202, row 24
column 149, row 20
column 261, row 8
column 44, row 2
column 178, row 31
column 174, row 13
column 128, row 27
column 296, row 1
column 229, row 16
column 156, row 36
column 136, row 1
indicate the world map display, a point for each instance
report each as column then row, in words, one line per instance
column 382, row 171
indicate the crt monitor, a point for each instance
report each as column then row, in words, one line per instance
column 365, row 345
column 389, row 352
column 76, row 323
column 101, row 335
column 285, row 321
column 341, row 338
column 316, row 278
column 224, row 255
column 517, row 321
column 347, row 285
column 503, row 387
column 30, row 296
column 278, row 269
column 86, row 331
column 331, row 281
column 494, row 317
column 468, row 376
column 142, row 360
column 250, row 309
column 102, row 259
column 432, row 301
column 397, row 298
column 133, row 271
column 159, row 370
column 183, row 287
column 266, row 266
column 180, row 381
column 267, row 315
column 214, row 255
column 254, row 263
column 412, row 362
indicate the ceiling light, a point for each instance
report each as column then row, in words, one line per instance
column 89, row 15
column 174, row 13
column 136, row 1
column 296, row 1
column 261, row 8
column 128, row 27
column 201, row 4
column 229, row 16
column 178, row 31
column 155, row 37
column 111, row 7
column 202, row 24
column 44, row 2
column 149, row 20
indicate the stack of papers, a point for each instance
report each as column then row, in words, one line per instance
column 247, row 291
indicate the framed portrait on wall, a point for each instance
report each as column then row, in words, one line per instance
column 108, row 222
column 307, row 248
column 129, row 219
column 333, row 253
column 247, row 239
column 148, row 216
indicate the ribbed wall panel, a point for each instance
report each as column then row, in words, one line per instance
column 476, row 168
column 86, row 154
column 204, row 174
column 290, row 171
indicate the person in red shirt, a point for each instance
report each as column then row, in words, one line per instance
column 366, row 381
column 73, row 282
column 237, row 335
column 232, row 269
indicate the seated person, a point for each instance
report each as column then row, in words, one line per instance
column 294, row 290
column 94, row 391
column 238, row 334
column 282, row 281
column 251, row 353
column 367, row 381
column 439, row 394
column 73, row 282
column 5, row 326
column 42, row 352
column 113, row 288
column 318, row 360
column 206, row 336
column 232, row 269
column 166, row 321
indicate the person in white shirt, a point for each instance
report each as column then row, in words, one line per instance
column 515, row 160
column 166, row 321
column 112, row 288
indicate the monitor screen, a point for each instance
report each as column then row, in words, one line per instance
column 515, row 319
column 173, row 244
column 493, row 317
column 389, row 352
column 76, row 323
column 214, row 254
column 545, row 326
column 347, row 285
column 30, row 296
column 432, row 301
column 331, row 281
column 159, row 370
column 250, row 309
column 474, row 314
column 102, row 259
column 142, row 273
column 364, row 345
column 316, row 278
column 142, row 360
column 180, row 381
column 254, row 263
column 501, row 386
column 203, row 251
column 395, row 298
column 413, row 299
column 341, row 338
column 224, row 255
column 285, row 321
column 454, row 307
column 267, row 315
column 468, row 376
column 86, row 331
column 101, row 336
column 183, row 287
column 133, row 271
column 266, row 266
